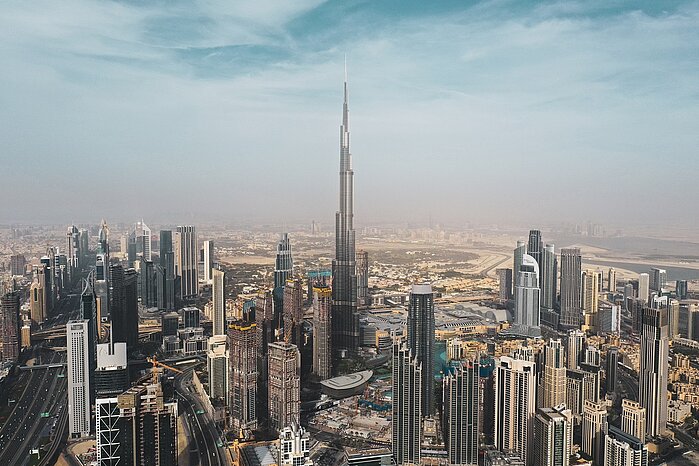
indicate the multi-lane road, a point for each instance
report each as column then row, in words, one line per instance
column 206, row 447
column 42, row 401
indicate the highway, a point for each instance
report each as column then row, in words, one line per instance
column 203, row 431
column 44, row 392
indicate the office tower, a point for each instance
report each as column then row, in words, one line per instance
column 575, row 348
column 88, row 311
column 170, row 322
column 553, row 437
column 284, row 385
column 185, row 242
column 658, row 279
column 609, row 319
column 535, row 246
column 112, row 372
column 124, row 311
column 18, row 264
column 591, row 382
column 460, row 418
column 78, row 346
column 421, row 340
column 103, row 239
column 243, row 342
column 166, row 279
column 592, row 356
column 263, row 307
column 681, row 289
column 527, row 297
column 571, row 264
column 139, row 242
column 49, row 261
column 515, row 405
column 622, row 449
column 633, row 419
column 217, row 362
column 109, row 433
column 101, row 280
column 673, row 312
column 553, row 391
column 191, row 317
column 643, row 287
column 147, row 283
column 9, row 327
column 548, row 271
column 505, row 284
column 37, row 295
column 149, row 426
column 406, row 405
column 322, row 352
column 611, row 367
column 293, row 311
column 575, row 393
column 653, row 374
column 519, row 251
column 611, row 280
column 284, row 262
column 209, row 260
column 594, row 429
column 72, row 250
column 293, row 447
column 363, row 278
column 590, row 292
column 218, row 297
column 83, row 246
column 345, row 322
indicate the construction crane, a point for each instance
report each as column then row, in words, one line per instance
column 157, row 364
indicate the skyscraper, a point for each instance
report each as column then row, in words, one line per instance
column 505, row 284
column 643, row 287
column 575, row 349
column 553, row 437
column 284, row 385
column 527, row 297
column 653, row 374
column 594, row 429
column 37, row 295
column 590, row 298
column 208, row 249
column 460, row 418
column 548, row 271
column 112, row 372
column 554, row 375
column 611, row 367
column 78, row 345
column 217, row 363
column 611, row 280
column 284, row 262
column 124, row 306
column 72, row 250
column 519, row 251
column 243, row 341
column 218, row 296
column 421, row 340
column 658, row 279
column 345, row 322
column 406, row 407
column 571, row 264
column 186, row 249
column 622, row 449
column 322, row 353
column 293, row 311
column 515, row 405
column 535, row 246
column 166, row 272
column 363, row 278
column 9, row 327
column 139, row 242
column 633, row 419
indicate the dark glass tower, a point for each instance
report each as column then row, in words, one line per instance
column 345, row 324
column 421, row 340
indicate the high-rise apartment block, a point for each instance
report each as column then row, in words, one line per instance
column 322, row 353
column 460, row 416
column 571, row 273
column 78, row 346
column 284, row 385
column 406, row 406
column 653, row 375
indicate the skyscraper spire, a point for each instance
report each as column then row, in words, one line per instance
column 345, row 325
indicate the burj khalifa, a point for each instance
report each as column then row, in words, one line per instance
column 345, row 322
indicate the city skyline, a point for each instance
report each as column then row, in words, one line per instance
column 574, row 87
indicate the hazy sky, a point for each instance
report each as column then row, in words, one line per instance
column 484, row 111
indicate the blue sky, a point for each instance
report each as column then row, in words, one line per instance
column 495, row 111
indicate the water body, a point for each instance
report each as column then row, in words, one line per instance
column 673, row 273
